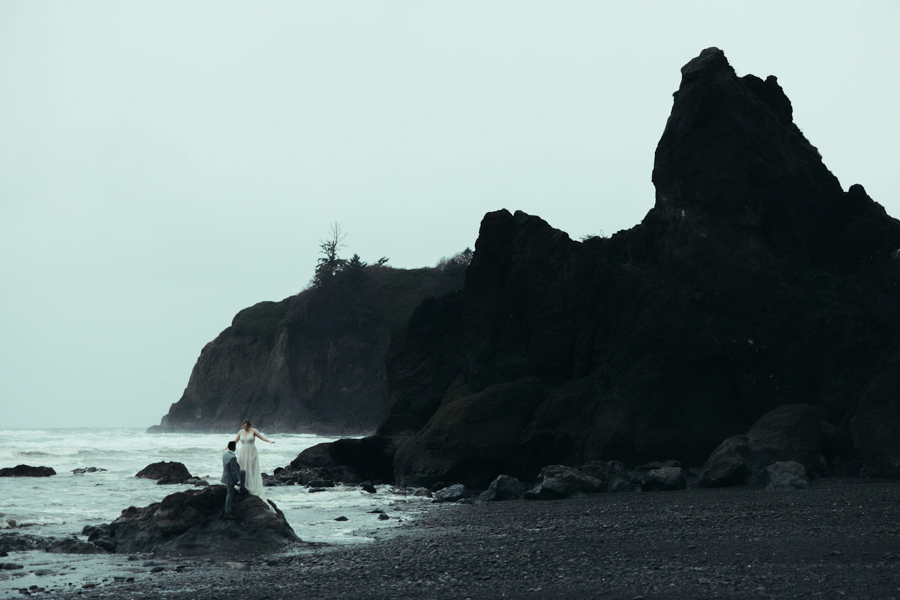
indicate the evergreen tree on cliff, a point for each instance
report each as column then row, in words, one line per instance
column 329, row 262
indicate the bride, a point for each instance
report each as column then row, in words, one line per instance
column 248, row 458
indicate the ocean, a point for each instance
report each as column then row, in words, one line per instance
column 63, row 504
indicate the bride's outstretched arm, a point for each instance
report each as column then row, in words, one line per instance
column 262, row 437
column 237, row 438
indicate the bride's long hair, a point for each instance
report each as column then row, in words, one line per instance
column 247, row 423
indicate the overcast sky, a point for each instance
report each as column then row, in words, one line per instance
column 165, row 164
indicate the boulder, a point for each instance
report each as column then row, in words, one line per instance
column 728, row 464
column 105, row 542
column 165, row 472
column 27, row 471
column 454, row 493
column 638, row 475
column 560, row 481
column 620, row 484
column 422, row 493
column 192, row 523
column 665, row 479
column 18, row 542
column 100, row 535
column 505, row 487
column 314, row 456
column 597, row 469
column 619, row 479
column 789, row 475
column 788, row 433
column 84, row 470
column 75, row 546
column 95, row 531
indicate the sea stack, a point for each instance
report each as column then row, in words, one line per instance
column 755, row 281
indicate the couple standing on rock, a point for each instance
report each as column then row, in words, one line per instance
column 243, row 469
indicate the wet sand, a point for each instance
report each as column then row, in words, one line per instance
column 839, row 539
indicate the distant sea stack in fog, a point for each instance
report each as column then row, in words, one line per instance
column 755, row 282
column 313, row 362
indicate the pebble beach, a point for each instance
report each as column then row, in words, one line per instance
column 838, row 539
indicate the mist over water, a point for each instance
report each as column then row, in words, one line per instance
column 63, row 504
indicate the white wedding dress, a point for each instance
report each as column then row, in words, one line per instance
column 248, row 459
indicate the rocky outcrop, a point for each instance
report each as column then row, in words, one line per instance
column 313, row 362
column 560, row 481
column 192, row 523
column 83, row 470
column 346, row 461
column 75, row 546
column 27, row 471
column 18, row 542
column 788, row 475
column 792, row 433
column 453, row 493
column 755, row 282
column 665, row 479
column 503, row 488
column 166, row 473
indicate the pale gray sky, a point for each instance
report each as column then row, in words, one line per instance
column 166, row 164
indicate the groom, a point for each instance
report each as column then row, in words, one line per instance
column 232, row 475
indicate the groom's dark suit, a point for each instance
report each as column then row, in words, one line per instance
column 232, row 475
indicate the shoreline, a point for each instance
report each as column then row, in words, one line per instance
column 840, row 538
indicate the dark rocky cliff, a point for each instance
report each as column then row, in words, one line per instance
column 313, row 362
column 755, row 281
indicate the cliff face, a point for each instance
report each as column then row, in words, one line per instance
column 755, row 281
column 310, row 363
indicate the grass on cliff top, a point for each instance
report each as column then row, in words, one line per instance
column 261, row 319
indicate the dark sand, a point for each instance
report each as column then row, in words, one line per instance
column 839, row 539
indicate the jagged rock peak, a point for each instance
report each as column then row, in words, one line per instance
column 711, row 61
column 712, row 65
column 731, row 151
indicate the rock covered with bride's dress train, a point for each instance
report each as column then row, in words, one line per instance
column 193, row 523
